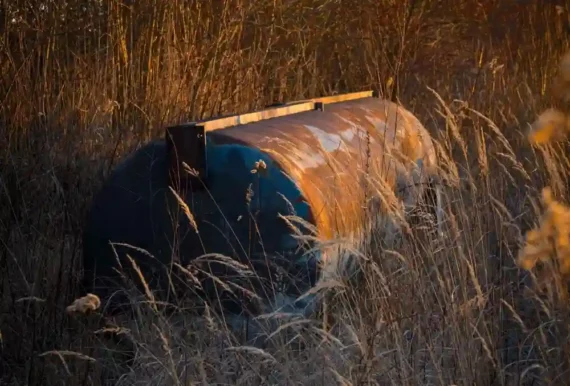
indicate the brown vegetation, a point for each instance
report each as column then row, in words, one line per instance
column 84, row 82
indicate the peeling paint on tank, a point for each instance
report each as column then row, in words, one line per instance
column 329, row 142
column 349, row 134
column 305, row 160
column 382, row 126
column 301, row 155
column 353, row 131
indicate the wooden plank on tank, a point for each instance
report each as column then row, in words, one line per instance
column 341, row 97
column 186, row 143
column 280, row 111
column 344, row 97
column 242, row 119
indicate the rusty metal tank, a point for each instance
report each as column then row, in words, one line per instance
column 323, row 160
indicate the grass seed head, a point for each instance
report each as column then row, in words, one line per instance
column 551, row 125
column 85, row 304
column 550, row 240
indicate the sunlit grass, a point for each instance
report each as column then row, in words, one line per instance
column 84, row 83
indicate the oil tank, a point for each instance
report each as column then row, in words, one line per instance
column 325, row 160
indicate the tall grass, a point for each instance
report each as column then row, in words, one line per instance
column 84, row 82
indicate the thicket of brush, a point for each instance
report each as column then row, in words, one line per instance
column 84, row 82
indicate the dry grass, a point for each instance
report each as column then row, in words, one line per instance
column 83, row 83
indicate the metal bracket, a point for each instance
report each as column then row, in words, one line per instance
column 186, row 143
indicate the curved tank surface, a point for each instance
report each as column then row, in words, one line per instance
column 324, row 160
